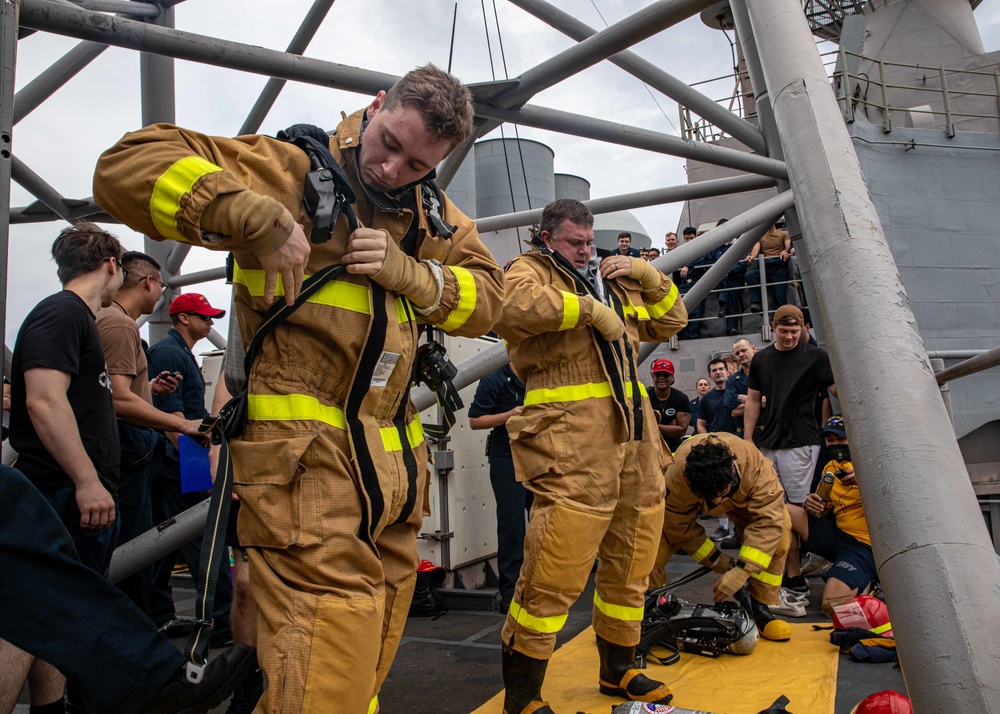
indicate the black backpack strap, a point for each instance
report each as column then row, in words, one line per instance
column 433, row 199
column 327, row 191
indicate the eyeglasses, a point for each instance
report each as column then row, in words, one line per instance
column 118, row 264
column 206, row 318
column 163, row 285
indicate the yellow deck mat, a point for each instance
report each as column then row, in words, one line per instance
column 804, row 669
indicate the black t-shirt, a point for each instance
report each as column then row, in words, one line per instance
column 667, row 410
column 60, row 333
column 716, row 414
column 498, row 393
column 790, row 381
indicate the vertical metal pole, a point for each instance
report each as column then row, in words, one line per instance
column 8, row 57
column 765, row 304
column 949, row 125
column 938, row 365
column 996, row 81
column 886, row 116
column 157, row 81
column 939, row 569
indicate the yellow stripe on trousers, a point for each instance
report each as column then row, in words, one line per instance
column 547, row 625
column 753, row 555
column 767, row 578
column 336, row 293
column 303, row 407
column 171, row 188
column 619, row 612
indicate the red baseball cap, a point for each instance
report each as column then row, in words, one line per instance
column 662, row 365
column 193, row 302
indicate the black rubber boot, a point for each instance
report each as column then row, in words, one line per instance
column 770, row 627
column 522, row 681
column 620, row 678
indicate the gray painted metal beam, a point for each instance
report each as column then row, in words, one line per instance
column 39, row 213
column 637, row 137
column 8, row 60
column 156, row 74
column 158, row 542
column 936, row 562
column 647, row 72
column 74, row 22
column 300, row 41
column 986, row 360
column 201, row 276
column 620, row 36
column 624, row 202
column 52, row 17
column 38, row 188
column 55, row 76
column 135, row 9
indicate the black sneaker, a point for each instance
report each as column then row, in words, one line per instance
column 248, row 693
column 219, row 680
column 756, row 307
column 730, row 543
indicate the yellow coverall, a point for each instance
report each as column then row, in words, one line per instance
column 587, row 446
column 757, row 511
column 331, row 470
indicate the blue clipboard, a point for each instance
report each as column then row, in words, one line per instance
column 196, row 474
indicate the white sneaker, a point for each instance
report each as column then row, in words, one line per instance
column 796, row 595
column 788, row 607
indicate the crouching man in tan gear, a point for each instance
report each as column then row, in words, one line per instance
column 587, row 446
column 722, row 473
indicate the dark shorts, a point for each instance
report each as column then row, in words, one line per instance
column 853, row 561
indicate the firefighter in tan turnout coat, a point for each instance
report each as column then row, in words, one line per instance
column 720, row 474
column 586, row 445
column 331, row 470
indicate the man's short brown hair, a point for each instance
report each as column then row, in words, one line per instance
column 444, row 102
column 81, row 248
column 561, row 209
column 139, row 267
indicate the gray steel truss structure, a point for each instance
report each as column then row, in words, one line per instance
column 935, row 558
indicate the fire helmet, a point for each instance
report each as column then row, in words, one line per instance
column 864, row 611
column 887, row 702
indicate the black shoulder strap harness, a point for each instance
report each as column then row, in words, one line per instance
column 611, row 352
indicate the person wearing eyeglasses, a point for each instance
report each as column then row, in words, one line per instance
column 133, row 390
column 62, row 421
column 192, row 318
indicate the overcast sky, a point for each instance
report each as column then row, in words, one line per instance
column 62, row 139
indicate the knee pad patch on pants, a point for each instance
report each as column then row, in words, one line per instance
column 648, row 527
column 567, row 548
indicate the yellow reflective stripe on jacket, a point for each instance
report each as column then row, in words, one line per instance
column 571, row 311
column 752, row 555
column 550, row 624
column 767, row 578
column 619, row 612
column 302, row 407
column 466, row 299
column 336, row 293
column 293, row 407
column 642, row 390
column 704, row 551
column 577, row 393
column 663, row 306
column 569, row 393
column 173, row 185
column 414, row 435
column 373, row 705
column 882, row 628
column 639, row 311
